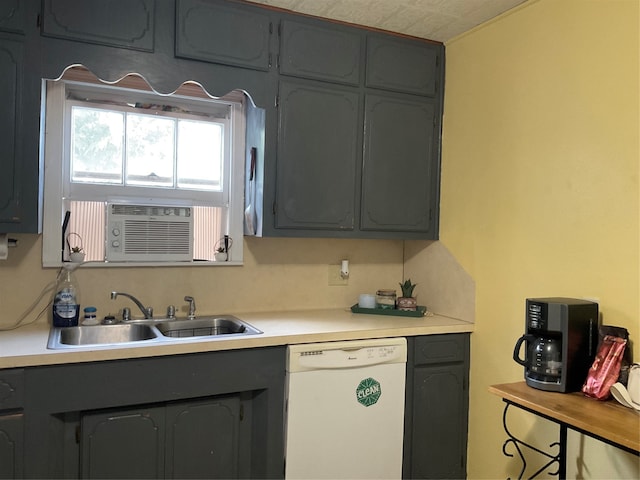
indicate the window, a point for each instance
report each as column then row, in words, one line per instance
column 139, row 177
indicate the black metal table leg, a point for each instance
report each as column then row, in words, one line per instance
column 560, row 458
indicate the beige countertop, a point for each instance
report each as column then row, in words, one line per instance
column 27, row 346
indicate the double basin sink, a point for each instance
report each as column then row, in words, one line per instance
column 149, row 331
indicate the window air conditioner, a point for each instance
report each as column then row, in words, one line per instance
column 146, row 233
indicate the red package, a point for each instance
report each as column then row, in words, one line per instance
column 606, row 368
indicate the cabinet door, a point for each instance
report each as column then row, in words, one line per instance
column 402, row 65
column 222, row 32
column 400, row 166
column 11, row 94
column 12, row 16
column 120, row 23
column 439, row 422
column 123, row 443
column 317, row 156
column 11, row 445
column 203, row 439
column 320, row 51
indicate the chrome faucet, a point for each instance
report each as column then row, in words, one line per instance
column 146, row 311
column 192, row 307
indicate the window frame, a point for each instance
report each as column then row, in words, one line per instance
column 56, row 161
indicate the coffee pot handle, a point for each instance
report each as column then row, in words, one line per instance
column 516, row 350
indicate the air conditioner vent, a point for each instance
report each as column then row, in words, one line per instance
column 149, row 233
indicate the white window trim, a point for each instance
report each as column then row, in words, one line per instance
column 53, row 210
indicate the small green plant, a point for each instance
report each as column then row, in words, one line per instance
column 407, row 288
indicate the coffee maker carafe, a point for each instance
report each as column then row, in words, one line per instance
column 561, row 336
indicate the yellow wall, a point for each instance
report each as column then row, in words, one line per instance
column 540, row 192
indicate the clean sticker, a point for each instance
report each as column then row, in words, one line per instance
column 368, row 392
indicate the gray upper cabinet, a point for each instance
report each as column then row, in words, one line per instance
column 119, row 23
column 188, row 439
column 398, row 178
column 11, row 94
column 223, row 32
column 19, row 134
column 320, row 52
column 402, row 65
column 12, row 16
column 366, row 167
column 352, row 117
column 318, row 139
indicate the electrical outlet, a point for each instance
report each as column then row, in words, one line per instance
column 335, row 279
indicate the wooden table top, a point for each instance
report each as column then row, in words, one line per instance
column 606, row 419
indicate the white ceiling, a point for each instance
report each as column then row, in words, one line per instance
column 438, row 20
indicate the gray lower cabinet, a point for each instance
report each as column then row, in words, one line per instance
column 193, row 439
column 203, row 438
column 123, row 443
column 11, row 445
column 11, row 423
column 437, row 407
column 207, row 415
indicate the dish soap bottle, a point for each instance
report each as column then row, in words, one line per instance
column 66, row 301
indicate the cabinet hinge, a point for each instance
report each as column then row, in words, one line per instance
column 38, row 21
column 241, row 415
column 270, row 62
column 270, row 28
column 274, row 208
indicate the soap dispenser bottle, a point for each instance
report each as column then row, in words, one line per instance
column 66, row 301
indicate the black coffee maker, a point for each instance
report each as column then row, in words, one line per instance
column 561, row 336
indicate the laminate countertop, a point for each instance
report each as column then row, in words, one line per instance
column 27, row 346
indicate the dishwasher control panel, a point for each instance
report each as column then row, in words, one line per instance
column 356, row 353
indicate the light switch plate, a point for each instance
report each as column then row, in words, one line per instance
column 335, row 279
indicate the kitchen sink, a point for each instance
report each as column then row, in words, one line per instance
column 204, row 327
column 100, row 335
column 149, row 331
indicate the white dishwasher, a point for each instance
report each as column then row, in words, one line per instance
column 345, row 409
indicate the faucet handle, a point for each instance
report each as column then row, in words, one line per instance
column 192, row 307
column 171, row 312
